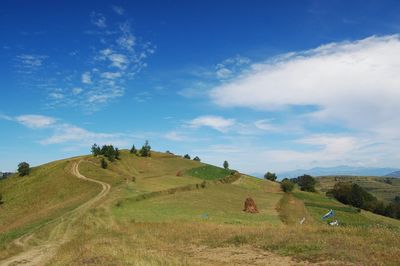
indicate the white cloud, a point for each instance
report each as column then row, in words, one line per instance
column 35, row 121
column 356, row 83
column 98, row 19
column 110, row 75
column 27, row 63
column 118, row 9
column 77, row 90
column 176, row 136
column 86, row 78
column 69, row 133
column 56, row 95
column 216, row 122
column 227, row 68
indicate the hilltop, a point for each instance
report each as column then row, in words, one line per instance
column 165, row 209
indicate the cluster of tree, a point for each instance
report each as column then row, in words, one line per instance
column 270, row 176
column 23, row 169
column 145, row 151
column 187, row 156
column 305, row 182
column 352, row 194
column 107, row 151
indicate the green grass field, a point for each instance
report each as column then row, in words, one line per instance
column 166, row 210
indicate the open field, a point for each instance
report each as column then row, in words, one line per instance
column 153, row 215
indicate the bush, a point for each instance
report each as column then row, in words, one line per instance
column 103, row 163
column 287, row 186
column 197, row 159
column 186, row 156
column 270, row 176
column 23, row 168
column 306, row 183
column 1, row 199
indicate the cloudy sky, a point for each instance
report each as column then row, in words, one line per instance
column 267, row 86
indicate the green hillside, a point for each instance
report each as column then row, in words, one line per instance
column 384, row 188
column 166, row 210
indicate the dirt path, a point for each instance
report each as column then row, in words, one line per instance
column 38, row 255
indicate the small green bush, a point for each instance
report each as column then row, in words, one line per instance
column 287, row 186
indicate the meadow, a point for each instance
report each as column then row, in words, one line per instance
column 166, row 210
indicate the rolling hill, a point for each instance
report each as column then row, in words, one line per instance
column 384, row 188
column 339, row 170
column 166, row 210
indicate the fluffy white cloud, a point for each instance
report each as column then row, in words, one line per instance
column 356, row 83
column 35, row 121
column 216, row 122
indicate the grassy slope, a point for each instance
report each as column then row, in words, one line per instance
column 372, row 184
column 172, row 228
column 30, row 201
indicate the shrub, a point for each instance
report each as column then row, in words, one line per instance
column 186, row 156
column 103, row 163
column 306, row 183
column 196, row 159
column 1, row 199
column 270, row 176
column 287, row 186
column 23, row 168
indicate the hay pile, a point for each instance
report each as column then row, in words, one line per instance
column 250, row 206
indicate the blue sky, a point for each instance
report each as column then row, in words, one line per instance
column 266, row 85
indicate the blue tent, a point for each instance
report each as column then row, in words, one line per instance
column 329, row 214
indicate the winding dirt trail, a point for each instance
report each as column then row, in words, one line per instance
column 40, row 254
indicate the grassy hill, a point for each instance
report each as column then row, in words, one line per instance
column 384, row 188
column 172, row 211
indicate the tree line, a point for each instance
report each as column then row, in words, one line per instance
column 354, row 195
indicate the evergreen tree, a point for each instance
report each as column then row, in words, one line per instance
column 145, row 151
column 133, row 150
column 117, row 153
column 96, row 150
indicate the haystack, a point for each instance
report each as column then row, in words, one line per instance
column 250, row 206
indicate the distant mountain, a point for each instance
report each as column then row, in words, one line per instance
column 394, row 174
column 341, row 170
